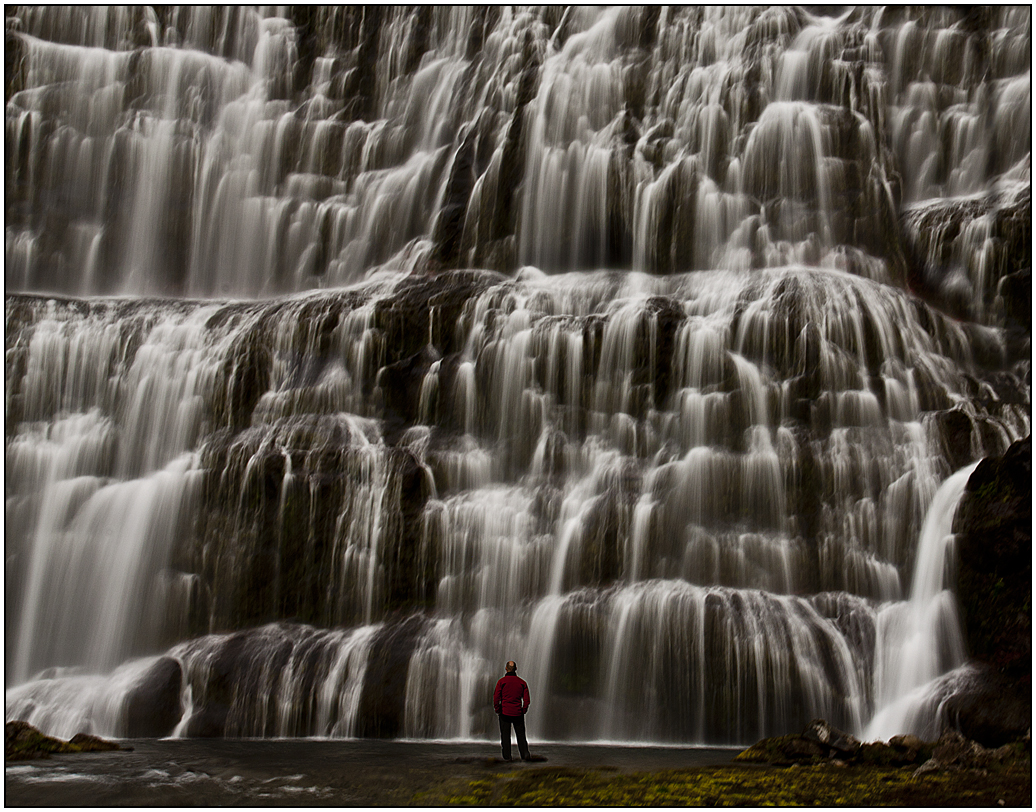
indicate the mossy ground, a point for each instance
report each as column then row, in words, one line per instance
column 740, row 786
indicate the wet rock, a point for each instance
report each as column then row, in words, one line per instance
column 383, row 701
column 1014, row 294
column 824, row 734
column 990, row 708
column 449, row 225
column 247, row 376
column 994, row 551
column 994, row 588
column 822, row 743
column 426, row 307
column 953, row 752
column 85, row 743
column 1015, row 290
column 952, row 269
column 210, row 717
column 955, row 428
column 153, row 708
column 606, row 523
column 401, row 385
column 909, row 746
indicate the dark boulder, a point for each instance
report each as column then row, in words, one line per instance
column 994, row 567
column 449, row 224
column 227, row 670
column 990, row 708
column 953, row 753
column 400, row 385
column 153, row 708
column 955, row 429
column 994, row 589
column 383, row 700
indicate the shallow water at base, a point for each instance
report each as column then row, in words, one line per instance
column 306, row 772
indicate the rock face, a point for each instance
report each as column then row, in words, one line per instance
column 994, row 527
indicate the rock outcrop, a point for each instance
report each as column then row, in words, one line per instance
column 820, row 743
column 23, row 742
column 994, row 588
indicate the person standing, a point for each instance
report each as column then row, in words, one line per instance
column 511, row 701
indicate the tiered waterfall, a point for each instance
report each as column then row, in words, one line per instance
column 351, row 352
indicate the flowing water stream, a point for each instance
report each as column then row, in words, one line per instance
column 353, row 352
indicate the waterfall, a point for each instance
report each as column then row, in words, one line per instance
column 920, row 639
column 354, row 352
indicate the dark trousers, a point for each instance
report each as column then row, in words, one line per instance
column 519, row 732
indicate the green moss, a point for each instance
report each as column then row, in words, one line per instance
column 740, row 786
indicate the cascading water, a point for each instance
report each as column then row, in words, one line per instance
column 920, row 640
column 671, row 447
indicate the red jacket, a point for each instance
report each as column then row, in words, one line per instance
column 511, row 697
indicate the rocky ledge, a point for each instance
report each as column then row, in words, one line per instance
column 820, row 743
column 23, row 742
